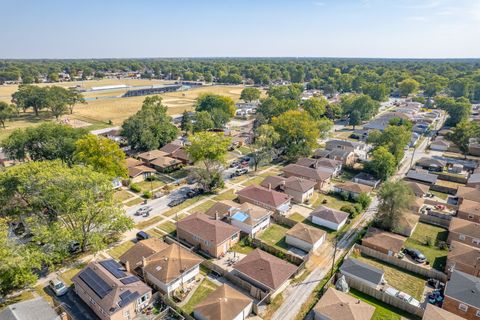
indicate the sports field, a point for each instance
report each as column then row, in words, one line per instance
column 105, row 106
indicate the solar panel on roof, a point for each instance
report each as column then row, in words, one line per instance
column 127, row 297
column 114, row 268
column 129, row 280
column 94, row 282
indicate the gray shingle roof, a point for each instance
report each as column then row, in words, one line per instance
column 34, row 309
column 362, row 270
column 465, row 288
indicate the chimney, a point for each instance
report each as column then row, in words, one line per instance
column 127, row 266
column 216, row 215
column 269, row 186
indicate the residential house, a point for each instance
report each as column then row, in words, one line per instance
column 473, row 180
column 299, row 189
column 422, row 176
column 111, row 292
column 431, row 164
column 468, row 193
column 166, row 267
column 330, row 218
column 221, row 209
column 417, row 205
column 305, row 237
column 33, row 309
column 462, row 295
column 335, row 304
column 463, row 258
column 352, row 189
column 265, row 271
column 418, row 189
column 137, row 171
column 360, row 149
column 469, row 210
column 383, row 241
column 407, row 225
column 212, row 236
column 149, row 156
column 345, row 156
column 250, row 219
column 166, row 164
column 265, row 198
column 320, row 176
column 435, row 313
column 474, row 147
column 334, row 166
column 464, row 231
column 176, row 151
column 440, row 145
column 361, row 271
column 170, row 148
column 225, row 303
column 366, row 179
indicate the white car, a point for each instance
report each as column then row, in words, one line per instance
column 58, row 287
column 402, row 295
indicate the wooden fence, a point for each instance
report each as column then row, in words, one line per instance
column 382, row 296
column 278, row 218
column 443, row 189
column 414, row 268
column 296, row 260
column 443, row 222
column 452, row 178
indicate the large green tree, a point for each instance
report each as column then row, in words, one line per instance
column 462, row 133
column 203, row 122
column 150, row 128
column 30, row 96
column 408, row 86
column 395, row 199
column 394, row 138
column 250, row 94
column 57, row 100
column 263, row 148
column 221, row 108
column 376, row 91
column 316, row 107
column 382, row 163
column 7, row 111
column 366, row 106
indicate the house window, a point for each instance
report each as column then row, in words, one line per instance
column 235, row 236
column 461, row 237
column 477, row 314
column 463, row 307
column 470, row 217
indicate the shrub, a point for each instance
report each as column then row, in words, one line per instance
column 428, row 241
column 151, row 178
column 344, row 195
column 358, row 207
column 351, row 210
column 147, row 194
column 364, row 200
column 135, row 187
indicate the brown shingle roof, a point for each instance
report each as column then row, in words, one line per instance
column 169, row 148
column 435, row 313
column 465, row 227
column 306, row 233
column 469, row 206
column 468, row 193
column 132, row 162
column 221, row 208
column 464, row 254
column 170, row 263
column 181, row 154
column 299, row 184
column 151, row 155
column 254, row 213
column 225, row 303
column 329, row 214
column 338, row 305
column 316, row 174
column 418, row 188
column 165, row 162
column 383, row 239
column 265, row 268
column 142, row 249
column 329, row 164
column 135, row 171
column 272, row 182
column 269, row 197
column 354, row 187
column 206, row 228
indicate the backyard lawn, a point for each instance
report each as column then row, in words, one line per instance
column 297, row 217
column 274, row 235
column 117, row 251
column 227, row 195
column 441, row 195
column 398, row 278
column 205, row 288
column 383, row 311
column 436, row 256
column 242, row 247
column 331, row 201
column 168, row 227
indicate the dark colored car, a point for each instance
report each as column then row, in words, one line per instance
column 415, row 254
column 142, row 235
column 176, row 202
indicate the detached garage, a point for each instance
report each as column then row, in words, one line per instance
column 305, row 237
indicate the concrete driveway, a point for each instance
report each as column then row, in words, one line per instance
column 74, row 306
column 304, row 211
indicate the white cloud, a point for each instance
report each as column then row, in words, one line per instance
column 319, row 3
column 417, row 18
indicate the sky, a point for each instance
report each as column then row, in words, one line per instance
column 242, row 28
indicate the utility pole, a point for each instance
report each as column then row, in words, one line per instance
column 334, row 254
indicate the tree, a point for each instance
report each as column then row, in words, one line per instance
column 298, row 133
column 461, row 88
column 203, row 122
column 263, row 148
column 376, row 91
column 102, row 154
column 76, row 199
column 382, row 164
column 48, row 141
column 316, row 107
column 150, row 128
column 394, row 138
column 30, row 96
column 221, row 108
column 395, row 199
column 366, row 106
column 250, row 94
column 57, row 99
column 6, row 112
column 324, row 125
column 290, row 92
column 210, row 149
column 355, row 118
column 273, row 107
column 408, row 86
column 74, row 97
column 186, row 125
column 457, row 109
column 462, row 133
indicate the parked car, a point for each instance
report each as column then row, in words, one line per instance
column 402, row 295
column 176, row 202
column 58, row 287
column 415, row 254
column 74, row 247
column 143, row 210
column 142, row 235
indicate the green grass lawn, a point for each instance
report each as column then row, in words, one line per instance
column 297, row 217
column 25, row 295
column 134, row 202
column 383, row 311
column 182, row 206
column 330, row 201
column 117, row 251
column 150, row 185
column 168, row 227
column 435, row 256
column 203, row 207
column 148, row 223
column 398, row 278
column 257, row 180
column 242, row 247
column 179, row 174
column 122, row 195
column 441, row 195
column 274, row 235
column 205, row 288
column 70, row 273
column 227, row 195
column 155, row 233
column 244, row 150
